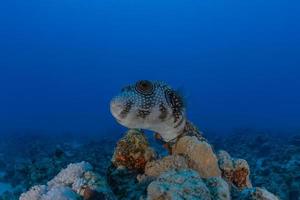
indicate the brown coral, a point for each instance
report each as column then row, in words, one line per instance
column 199, row 154
column 133, row 151
column 155, row 168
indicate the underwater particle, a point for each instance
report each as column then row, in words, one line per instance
column 133, row 151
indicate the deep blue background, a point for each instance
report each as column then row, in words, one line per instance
column 238, row 62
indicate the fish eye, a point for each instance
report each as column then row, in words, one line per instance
column 144, row 87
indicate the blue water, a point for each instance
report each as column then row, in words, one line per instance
column 237, row 62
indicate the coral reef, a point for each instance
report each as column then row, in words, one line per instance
column 193, row 171
column 71, row 183
column 274, row 165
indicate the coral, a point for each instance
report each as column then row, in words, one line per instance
column 68, row 176
column 173, row 176
column 179, row 185
column 157, row 167
column 133, row 151
column 89, row 185
column 234, row 171
column 256, row 194
column 34, row 193
column 276, row 169
column 70, row 183
column 200, row 156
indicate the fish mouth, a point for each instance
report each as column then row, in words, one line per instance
column 116, row 109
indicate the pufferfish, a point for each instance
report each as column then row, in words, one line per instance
column 154, row 106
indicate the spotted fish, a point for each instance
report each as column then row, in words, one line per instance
column 152, row 105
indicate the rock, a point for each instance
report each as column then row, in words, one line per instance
column 199, row 154
column 157, row 167
column 178, row 185
column 256, row 194
column 133, row 151
column 234, row 171
column 218, row 188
